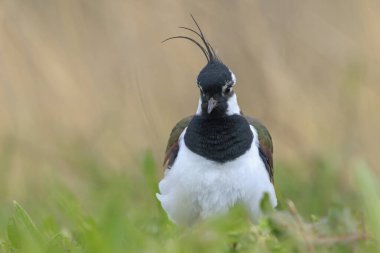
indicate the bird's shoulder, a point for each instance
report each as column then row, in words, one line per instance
column 265, row 144
column 172, row 147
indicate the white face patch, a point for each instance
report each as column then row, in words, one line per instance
column 233, row 107
column 199, row 109
column 200, row 88
column 233, row 77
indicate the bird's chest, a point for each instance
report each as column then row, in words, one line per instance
column 219, row 139
column 214, row 187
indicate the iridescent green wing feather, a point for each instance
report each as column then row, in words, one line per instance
column 173, row 146
column 265, row 144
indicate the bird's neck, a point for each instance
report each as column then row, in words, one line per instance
column 232, row 107
column 219, row 139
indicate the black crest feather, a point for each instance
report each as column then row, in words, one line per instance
column 206, row 48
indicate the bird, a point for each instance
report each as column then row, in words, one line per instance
column 218, row 157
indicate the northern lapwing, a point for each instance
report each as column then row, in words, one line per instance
column 218, row 157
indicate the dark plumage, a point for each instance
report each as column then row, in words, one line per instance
column 215, row 73
column 265, row 143
column 219, row 139
column 207, row 49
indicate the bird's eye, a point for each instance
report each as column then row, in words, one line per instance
column 227, row 90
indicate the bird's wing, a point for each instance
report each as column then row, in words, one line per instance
column 265, row 144
column 172, row 147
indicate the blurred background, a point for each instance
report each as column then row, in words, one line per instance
column 91, row 79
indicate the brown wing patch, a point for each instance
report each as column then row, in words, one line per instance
column 267, row 158
column 171, row 155
column 172, row 147
column 265, row 145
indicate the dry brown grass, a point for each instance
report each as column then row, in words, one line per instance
column 95, row 72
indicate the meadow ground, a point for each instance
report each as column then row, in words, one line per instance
column 118, row 212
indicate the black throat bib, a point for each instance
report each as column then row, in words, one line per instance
column 219, row 139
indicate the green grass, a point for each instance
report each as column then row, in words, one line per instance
column 116, row 211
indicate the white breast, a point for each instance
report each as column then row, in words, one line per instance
column 196, row 188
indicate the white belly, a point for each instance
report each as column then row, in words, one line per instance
column 197, row 188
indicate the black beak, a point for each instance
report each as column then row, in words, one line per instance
column 212, row 103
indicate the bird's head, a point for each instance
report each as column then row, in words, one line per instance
column 215, row 81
